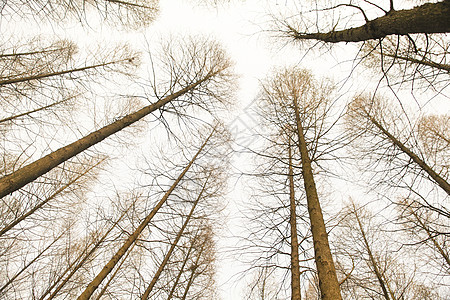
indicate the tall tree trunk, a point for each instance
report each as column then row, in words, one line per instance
column 30, row 263
column 53, row 74
column 328, row 283
column 384, row 285
column 180, row 272
column 427, row 18
column 34, row 110
column 88, row 255
column 41, row 204
column 192, row 276
column 295, row 266
column 431, row 236
column 424, row 61
column 92, row 286
column 27, row 174
column 422, row 164
column 172, row 247
column 105, row 287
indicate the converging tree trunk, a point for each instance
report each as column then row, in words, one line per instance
column 363, row 109
column 181, row 271
column 84, row 259
column 92, row 286
column 295, row 267
column 375, row 268
column 48, row 199
column 328, row 283
column 172, row 246
column 27, row 174
column 427, row 18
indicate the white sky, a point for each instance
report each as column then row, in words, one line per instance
column 239, row 27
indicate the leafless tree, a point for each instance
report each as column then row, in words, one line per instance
column 208, row 66
column 129, row 13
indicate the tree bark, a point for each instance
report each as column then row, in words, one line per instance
column 427, row 18
column 424, row 62
column 172, row 247
column 192, row 277
column 422, row 164
column 92, row 286
column 105, row 287
column 30, row 263
column 328, row 283
column 34, row 110
column 373, row 262
column 85, row 258
column 431, row 236
column 52, row 196
column 53, row 74
column 27, row 174
column 295, row 265
column 177, row 279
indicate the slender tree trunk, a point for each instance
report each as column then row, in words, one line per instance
column 52, row 196
column 29, row 264
column 192, row 277
column 105, row 287
column 295, row 265
column 27, row 174
column 373, row 262
column 172, row 247
column 60, row 277
column 422, row 164
column 424, row 62
column 18, row 54
column 92, row 286
column 180, row 272
column 47, row 75
column 33, row 111
column 88, row 255
column 431, row 237
column 427, row 18
column 328, row 283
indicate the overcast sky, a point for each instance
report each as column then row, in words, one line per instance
column 242, row 28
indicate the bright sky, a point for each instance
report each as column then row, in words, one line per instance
column 239, row 27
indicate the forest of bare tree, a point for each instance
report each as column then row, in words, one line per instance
column 133, row 166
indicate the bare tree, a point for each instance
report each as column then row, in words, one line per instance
column 426, row 18
column 380, row 270
column 92, row 286
column 211, row 67
column 370, row 117
column 308, row 104
column 130, row 13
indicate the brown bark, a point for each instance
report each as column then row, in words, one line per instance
column 30, row 263
column 180, row 272
column 105, row 287
column 92, row 286
column 27, row 174
column 52, row 196
column 87, row 256
column 53, row 74
column 193, row 270
column 424, row 62
column 172, row 247
column 295, row 265
column 427, row 18
column 328, row 283
column 373, row 262
column 431, row 237
column 34, row 110
column 422, row 164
